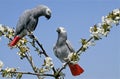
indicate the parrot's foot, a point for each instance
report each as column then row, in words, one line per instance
column 66, row 59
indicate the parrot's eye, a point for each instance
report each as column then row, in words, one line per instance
column 48, row 12
column 62, row 29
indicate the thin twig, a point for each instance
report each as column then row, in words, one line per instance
column 30, row 61
column 40, row 45
column 82, row 45
column 32, row 64
column 43, row 51
column 30, row 73
column 63, row 67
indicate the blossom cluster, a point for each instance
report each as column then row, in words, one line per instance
column 10, row 73
column 102, row 29
column 48, row 65
column 9, row 33
column 10, row 69
column 73, row 57
column 6, row 31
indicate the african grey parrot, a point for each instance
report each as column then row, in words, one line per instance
column 28, row 21
column 63, row 48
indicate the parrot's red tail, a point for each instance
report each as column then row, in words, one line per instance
column 75, row 69
column 14, row 41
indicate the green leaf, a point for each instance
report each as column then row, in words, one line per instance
column 4, row 73
column 96, row 38
column 95, row 28
column 83, row 41
column 105, row 27
column 75, row 57
column 19, row 76
column 83, row 49
column 1, row 33
column 112, row 16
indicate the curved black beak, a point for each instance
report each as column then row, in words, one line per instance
column 48, row 16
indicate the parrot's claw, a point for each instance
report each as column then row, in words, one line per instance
column 66, row 59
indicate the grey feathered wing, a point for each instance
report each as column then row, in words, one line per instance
column 70, row 46
column 55, row 50
column 22, row 22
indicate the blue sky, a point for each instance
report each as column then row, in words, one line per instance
column 77, row 16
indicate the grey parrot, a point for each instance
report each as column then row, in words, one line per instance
column 28, row 21
column 63, row 48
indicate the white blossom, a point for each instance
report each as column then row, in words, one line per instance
column 10, row 29
column 85, row 46
column 117, row 18
column 106, row 33
column 91, row 29
column 10, row 69
column 100, row 31
column 116, row 11
column 48, row 62
column 103, row 19
column 91, row 43
column 70, row 56
column 95, row 34
column 116, row 22
column 73, row 57
column 109, row 21
column 1, row 65
column 1, row 28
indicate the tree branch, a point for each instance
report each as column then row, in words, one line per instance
column 63, row 67
column 43, row 51
column 82, row 45
column 29, row 73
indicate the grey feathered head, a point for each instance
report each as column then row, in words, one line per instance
column 62, row 32
column 42, row 10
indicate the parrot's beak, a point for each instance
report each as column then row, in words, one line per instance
column 48, row 16
column 58, row 30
